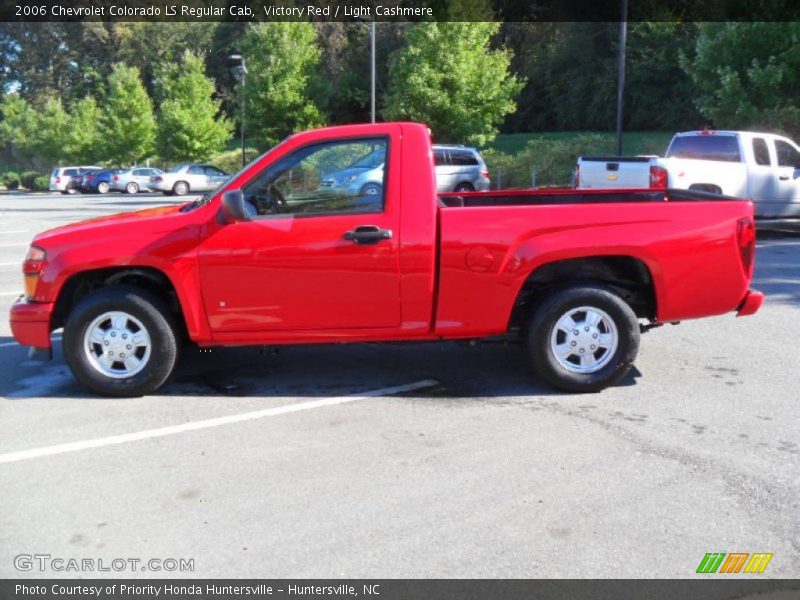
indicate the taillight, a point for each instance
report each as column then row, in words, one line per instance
column 658, row 177
column 116, row 177
column 746, row 237
column 58, row 179
column 32, row 267
column 485, row 173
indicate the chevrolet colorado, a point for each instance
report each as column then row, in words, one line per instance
column 275, row 257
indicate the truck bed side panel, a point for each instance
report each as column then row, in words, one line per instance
column 690, row 249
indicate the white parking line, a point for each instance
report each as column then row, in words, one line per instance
column 11, row 264
column 14, row 245
column 10, row 293
column 207, row 423
column 15, row 231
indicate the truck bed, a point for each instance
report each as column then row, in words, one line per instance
column 492, row 240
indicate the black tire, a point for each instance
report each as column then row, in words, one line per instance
column 181, row 188
column 153, row 314
column 464, row 187
column 65, row 192
column 547, row 315
column 132, row 188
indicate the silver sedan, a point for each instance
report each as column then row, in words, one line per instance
column 133, row 180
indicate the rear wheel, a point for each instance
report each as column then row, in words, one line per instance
column 103, row 187
column 119, row 341
column 181, row 188
column 583, row 338
column 464, row 187
column 132, row 188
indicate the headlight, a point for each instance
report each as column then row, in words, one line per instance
column 32, row 268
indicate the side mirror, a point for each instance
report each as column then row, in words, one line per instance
column 232, row 207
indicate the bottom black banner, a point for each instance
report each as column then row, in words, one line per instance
column 392, row 589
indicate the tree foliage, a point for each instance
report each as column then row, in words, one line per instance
column 190, row 127
column 748, row 74
column 281, row 59
column 127, row 124
column 448, row 77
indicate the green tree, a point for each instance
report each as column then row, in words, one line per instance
column 448, row 77
column 189, row 125
column 127, row 124
column 16, row 126
column 281, row 58
column 83, row 143
column 748, row 75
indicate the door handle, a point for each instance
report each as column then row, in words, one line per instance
column 368, row 234
column 783, row 177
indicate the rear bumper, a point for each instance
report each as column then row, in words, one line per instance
column 30, row 323
column 751, row 303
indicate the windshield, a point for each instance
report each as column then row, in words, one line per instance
column 706, row 147
column 205, row 198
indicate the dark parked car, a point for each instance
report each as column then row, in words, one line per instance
column 97, row 181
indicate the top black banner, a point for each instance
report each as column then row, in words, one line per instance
column 399, row 10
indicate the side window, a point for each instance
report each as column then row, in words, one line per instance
column 140, row 172
column 214, row 172
column 760, row 151
column 787, row 155
column 439, row 158
column 463, row 158
column 336, row 177
column 71, row 172
column 196, row 170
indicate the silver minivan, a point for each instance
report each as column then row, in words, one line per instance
column 458, row 169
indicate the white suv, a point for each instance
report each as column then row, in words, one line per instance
column 61, row 177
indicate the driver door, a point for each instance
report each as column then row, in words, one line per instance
column 311, row 258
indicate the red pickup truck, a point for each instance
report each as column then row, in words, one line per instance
column 293, row 250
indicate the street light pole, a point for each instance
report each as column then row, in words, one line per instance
column 238, row 70
column 372, row 69
column 623, row 35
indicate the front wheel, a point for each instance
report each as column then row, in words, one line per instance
column 583, row 338
column 181, row 188
column 119, row 341
column 103, row 187
column 132, row 188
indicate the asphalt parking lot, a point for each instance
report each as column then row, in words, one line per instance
column 481, row 471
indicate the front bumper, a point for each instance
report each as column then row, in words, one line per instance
column 751, row 303
column 30, row 322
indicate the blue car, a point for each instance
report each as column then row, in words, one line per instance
column 98, row 181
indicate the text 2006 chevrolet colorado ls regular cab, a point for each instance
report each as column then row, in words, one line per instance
column 276, row 257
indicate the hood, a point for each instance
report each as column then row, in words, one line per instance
column 350, row 172
column 106, row 226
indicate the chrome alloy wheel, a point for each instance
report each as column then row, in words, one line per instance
column 584, row 339
column 117, row 345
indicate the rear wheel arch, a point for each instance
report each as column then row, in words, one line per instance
column 627, row 276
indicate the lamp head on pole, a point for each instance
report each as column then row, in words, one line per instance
column 237, row 67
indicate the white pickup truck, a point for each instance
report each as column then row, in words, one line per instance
column 761, row 167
